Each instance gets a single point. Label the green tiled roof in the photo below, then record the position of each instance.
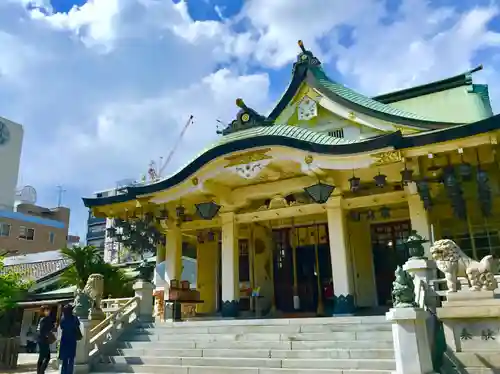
(357, 98)
(293, 132)
(483, 92)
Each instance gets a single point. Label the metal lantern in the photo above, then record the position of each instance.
(354, 184)
(370, 215)
(319, 192)
(180, 212)
(207, 210)
(163, 214)
(210, 236)
(465, 171)
(355, 216)
(406, 176)
(380, 180)
(385, 212)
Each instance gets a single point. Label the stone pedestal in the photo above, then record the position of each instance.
(471, 320)
(83, 347)
(144, 291)
(411, 343)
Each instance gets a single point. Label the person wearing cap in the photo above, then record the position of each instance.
(45, 338)
(71, 333)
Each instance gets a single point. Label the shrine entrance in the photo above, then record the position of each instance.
(302, 269)
(389, 251)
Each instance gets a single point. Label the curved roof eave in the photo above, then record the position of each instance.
(242, 144)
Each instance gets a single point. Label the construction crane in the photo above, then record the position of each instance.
(155, 171)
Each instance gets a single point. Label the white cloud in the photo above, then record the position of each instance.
(107, 86)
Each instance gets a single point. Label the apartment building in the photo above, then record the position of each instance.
(96, 232)
(31, 229)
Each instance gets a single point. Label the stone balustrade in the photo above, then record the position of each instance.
(99, 334)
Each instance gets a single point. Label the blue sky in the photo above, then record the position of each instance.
(101, 88)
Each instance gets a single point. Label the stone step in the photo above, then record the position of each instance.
(262, 353)
(124, 363)
(229, 329)
(270, 322)
(166, 369)
(282, 345)
(323, 336)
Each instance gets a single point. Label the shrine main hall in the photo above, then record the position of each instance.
(306, 210)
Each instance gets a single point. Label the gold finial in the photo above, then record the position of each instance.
(240, 103)
(301, 45)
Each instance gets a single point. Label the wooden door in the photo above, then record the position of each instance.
(389, 251)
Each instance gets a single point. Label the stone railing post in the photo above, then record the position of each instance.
(144, 291)
(83, 348)
(422, 270)
(411, 342)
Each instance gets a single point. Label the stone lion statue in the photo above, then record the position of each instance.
(88, 300)
(454, 263)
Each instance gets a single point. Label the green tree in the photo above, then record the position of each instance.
(140, 235)
(12, 287)
(87, 260)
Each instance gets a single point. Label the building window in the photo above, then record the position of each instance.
(4, 229)
(339, 133)
(26, 233)
(52, 237)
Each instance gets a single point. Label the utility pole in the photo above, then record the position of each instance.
(60, 193)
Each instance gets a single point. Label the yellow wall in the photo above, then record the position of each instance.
(207, 257)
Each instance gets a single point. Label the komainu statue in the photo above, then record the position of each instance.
(88, 300)
(454, 263)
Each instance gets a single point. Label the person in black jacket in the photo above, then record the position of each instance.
(45, 327)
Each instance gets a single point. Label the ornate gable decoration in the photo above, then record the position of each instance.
(305, 59)
(245, 119)
(307, 109)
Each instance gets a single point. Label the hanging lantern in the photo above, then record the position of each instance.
(200, 237)
(319, 192)
(148, 217)
(355, 216)
(207, 210)
(370, 215)
(465, 171)
(380, 180)
(406, 176)
(211, 236)
(180, 212)
(354, 184)
(385, 212)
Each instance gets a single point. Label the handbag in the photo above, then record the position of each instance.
(51, 338)
(78, 332)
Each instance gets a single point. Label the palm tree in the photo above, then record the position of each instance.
(88, 260)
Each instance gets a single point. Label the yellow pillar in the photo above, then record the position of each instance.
(419, 217)
(206, 275)
(340, 259)
(229, 261)
(173, 254)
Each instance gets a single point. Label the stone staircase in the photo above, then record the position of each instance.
(350, 345)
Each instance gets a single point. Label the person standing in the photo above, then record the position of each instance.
(71, 333)
(45, 339)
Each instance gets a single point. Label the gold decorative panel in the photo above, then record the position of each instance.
(385, 158)
(248, 157)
